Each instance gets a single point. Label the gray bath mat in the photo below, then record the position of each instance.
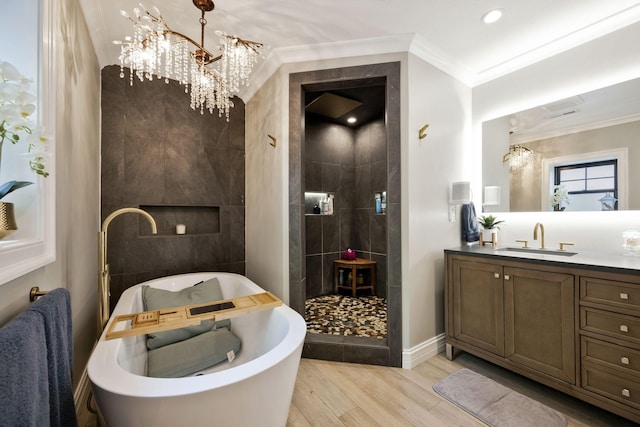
(495, 404)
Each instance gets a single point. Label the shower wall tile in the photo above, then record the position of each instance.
(347, 218)
(364, 193)
(314, 283)
(297, 295)
(330, 233)
(156, 151)
(327, 272)
(313, 176)
(330, 177)
(381, 274)
(313, 236)
(296, 242)
(362, 228)
(378, 177)
(346, 193)
(378, 233)
(378, 138)
(394, 244)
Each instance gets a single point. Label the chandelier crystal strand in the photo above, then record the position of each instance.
(156, 51)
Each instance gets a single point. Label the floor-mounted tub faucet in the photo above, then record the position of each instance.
(535, 234)
(104, 279)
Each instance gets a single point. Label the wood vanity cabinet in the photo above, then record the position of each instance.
(571, 327)
(523, 315)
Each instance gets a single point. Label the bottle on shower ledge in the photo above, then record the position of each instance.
(324, 206)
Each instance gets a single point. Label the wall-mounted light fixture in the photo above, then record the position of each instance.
(518, 157)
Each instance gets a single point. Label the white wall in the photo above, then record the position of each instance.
(77, 186)
(602, 62)
(429, 166)
(267, 186)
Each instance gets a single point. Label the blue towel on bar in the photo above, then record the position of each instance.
(55, 308)
(24, 385)
(469, 223)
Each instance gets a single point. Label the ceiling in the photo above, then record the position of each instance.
(608, 106)
(448, 33)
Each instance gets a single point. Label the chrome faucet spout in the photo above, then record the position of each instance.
(104, 278)
(535, 234)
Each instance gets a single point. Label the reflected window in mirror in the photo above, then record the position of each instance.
(585, 186)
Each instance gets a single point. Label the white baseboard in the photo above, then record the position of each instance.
(423, 351)
(81, 393)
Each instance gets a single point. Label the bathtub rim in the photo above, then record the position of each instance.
(125, 383)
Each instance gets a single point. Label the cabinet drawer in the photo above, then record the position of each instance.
(617, 294)
(611, 324)
(610, 354)
(610, 384)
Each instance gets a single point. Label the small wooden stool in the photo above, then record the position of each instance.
(354, 266)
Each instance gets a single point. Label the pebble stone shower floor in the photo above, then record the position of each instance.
(364, 316)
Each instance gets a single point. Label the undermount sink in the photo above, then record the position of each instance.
(539, 251)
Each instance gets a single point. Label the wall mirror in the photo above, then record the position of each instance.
(580, 153)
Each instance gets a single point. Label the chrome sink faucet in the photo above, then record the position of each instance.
(535, 234)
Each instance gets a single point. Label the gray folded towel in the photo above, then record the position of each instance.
(55, 308)
(469, 223)
(24, 384)
(36, 355)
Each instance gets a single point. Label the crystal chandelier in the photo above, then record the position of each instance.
(518, 157)
(155, 50)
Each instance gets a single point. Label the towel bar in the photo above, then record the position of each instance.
(35, 293)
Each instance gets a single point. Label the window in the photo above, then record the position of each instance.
(588, 186)
(27, 41)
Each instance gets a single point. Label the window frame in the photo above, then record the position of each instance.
(23, 256)
(619, 154)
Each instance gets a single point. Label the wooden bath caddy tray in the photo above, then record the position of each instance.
(178, 317)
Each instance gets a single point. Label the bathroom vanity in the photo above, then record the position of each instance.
(570, 320)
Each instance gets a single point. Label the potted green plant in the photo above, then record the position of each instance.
(489, 223)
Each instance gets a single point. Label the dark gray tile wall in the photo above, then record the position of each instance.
(158, 152)
(352, 165)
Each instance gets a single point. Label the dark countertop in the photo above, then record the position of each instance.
(617, 262)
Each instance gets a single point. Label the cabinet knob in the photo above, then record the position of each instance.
(626, 392)
(624, 296)
(624, 360)
(507, 277)
(496, 275)
(624, 328)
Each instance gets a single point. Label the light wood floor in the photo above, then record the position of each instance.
(346, 394)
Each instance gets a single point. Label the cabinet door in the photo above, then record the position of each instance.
(477, 305)
(540, 321)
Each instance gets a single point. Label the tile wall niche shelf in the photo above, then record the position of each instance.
(380, 202)
(198, 220)
(324, 201)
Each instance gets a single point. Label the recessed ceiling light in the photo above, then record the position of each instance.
(492, 16)
(352, 120)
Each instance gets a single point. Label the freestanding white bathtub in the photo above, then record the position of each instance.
(255, 389)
